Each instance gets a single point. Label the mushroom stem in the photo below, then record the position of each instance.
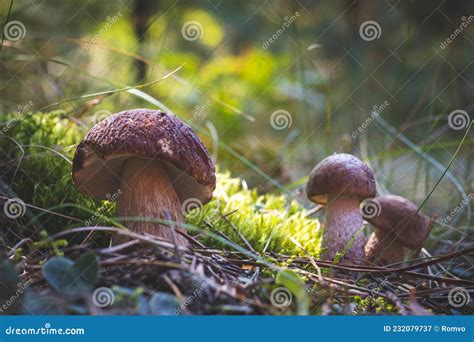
(384, 248)
(147, 192)
(343, 222)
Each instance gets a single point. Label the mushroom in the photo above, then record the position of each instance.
(399, 228)
(341, 182)
(151, 163)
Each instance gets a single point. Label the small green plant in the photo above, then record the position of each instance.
(55, 246)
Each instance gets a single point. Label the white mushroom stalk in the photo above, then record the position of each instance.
(341, 182)
(147, 193)
(343, 229)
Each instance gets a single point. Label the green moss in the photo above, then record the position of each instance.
(259, 218)
(37, 152)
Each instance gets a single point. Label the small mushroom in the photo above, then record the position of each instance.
(150, 162)
(341, 182)
(399, 229)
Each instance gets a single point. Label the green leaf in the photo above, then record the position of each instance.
(9, 277)
(72, 278)
(87, 267)
(296, 286)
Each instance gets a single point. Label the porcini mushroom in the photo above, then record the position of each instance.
(399, 228)
(152, 160)
(341, 182)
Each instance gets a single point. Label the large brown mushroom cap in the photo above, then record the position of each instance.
(399, 216)
(143, 133)
(340, 174)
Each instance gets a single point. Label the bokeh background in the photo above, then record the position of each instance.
(272, 87)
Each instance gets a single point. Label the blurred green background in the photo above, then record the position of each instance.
(272, 87)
